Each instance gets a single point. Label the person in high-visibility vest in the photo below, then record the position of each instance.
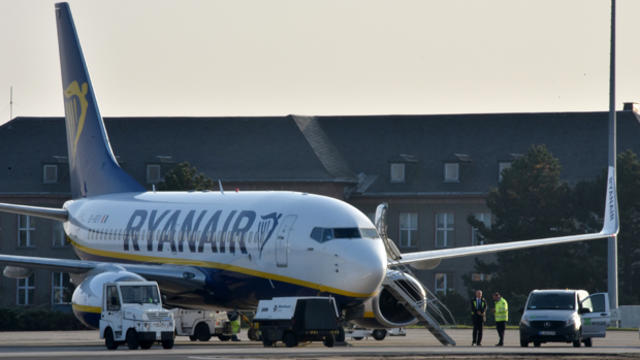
(234, 319)
(501, 314)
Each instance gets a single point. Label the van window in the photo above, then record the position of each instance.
(551, 301)
(598, 304)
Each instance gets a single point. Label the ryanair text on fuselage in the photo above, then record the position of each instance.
(192, 230)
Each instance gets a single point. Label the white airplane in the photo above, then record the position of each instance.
(220, 250)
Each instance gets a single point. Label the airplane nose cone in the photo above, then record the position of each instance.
(366, 265)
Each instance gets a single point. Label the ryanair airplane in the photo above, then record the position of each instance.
(222, 250)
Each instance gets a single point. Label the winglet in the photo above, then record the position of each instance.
(611, 225)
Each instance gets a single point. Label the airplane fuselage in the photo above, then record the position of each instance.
(249, 245)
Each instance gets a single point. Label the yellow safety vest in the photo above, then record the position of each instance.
(502, 310)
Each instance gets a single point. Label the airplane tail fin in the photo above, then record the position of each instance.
(92, 166)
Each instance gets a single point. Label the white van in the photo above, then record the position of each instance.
(571, 316)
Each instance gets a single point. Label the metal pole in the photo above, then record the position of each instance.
(612, 258)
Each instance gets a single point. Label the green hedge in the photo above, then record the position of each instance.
(37, 319)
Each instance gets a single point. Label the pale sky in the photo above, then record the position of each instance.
(321, 57)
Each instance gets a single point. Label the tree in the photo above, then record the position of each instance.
(531, 202)
(589, 200)
(185, 177)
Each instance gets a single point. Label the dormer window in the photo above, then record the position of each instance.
(502, 165)
(451, 172)
(153, 173)
(396, 172)
(49, 173)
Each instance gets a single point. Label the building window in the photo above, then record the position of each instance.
(25, 289)
(153, 174)
(25, 231)
(502, 165)
(49, 174)
(476, 236)
(441, 283)
(59, 238)
(451, 172)
(408, 229)
(397, 172)
(444, 230)
(60, 293)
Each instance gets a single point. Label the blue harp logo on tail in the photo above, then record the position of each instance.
(75, 108)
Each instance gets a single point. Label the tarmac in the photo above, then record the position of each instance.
(417, 344)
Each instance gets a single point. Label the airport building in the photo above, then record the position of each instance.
(433, 170)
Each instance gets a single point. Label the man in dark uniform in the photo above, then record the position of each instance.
(478, 313)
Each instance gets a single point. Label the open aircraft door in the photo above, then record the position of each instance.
(282, 240)
(595, 322)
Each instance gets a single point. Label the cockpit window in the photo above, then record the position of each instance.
(325, 234)
(369, 233)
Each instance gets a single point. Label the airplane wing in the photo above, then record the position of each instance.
(173, 276)
(610, 228)
(39, 211)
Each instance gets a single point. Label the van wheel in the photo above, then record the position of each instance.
(536, 343)
(224, 337)
(379, 334)
(328, 341)
(202, 332)
(108, 340)
(289, 339)
(587, 342)
(146, 344)
(524, 343)
(132, 339)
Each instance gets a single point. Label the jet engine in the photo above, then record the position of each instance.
(385, 310)
(86, 300)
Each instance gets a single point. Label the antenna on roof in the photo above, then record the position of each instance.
(220, 185)
(10, 102)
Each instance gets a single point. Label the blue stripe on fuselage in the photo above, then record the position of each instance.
(233, 290)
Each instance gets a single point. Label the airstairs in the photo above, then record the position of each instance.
(398, 284)
(404, 292)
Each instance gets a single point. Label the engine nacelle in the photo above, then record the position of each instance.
(384, 310)
(87, 297)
